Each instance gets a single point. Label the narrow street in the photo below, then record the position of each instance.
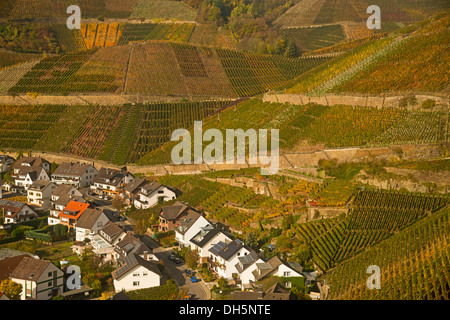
(198, 290)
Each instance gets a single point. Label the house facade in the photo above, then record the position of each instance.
(88, 225)
(40, 279)
(205, 239)
(26, 176)
(188, 227)
(169, 216)
(223, 257)
(149, 195)
(72, 213)
(40, 192)
(111, 181)
(136, 273)
(14, 211)
(77, 174)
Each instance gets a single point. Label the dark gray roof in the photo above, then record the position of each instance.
(246, 261)
(172, 212)
(130, 244)
(217, 248)
(135, 184)
(132, 261)
(226, 251)
(202, 238)
(110, 176)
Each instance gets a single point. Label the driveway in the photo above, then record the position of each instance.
(198, 290)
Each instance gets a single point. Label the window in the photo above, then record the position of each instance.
(49, 283)
(144, 273)
(287, 284)
(50, 274)
(136, 274)
(286, 274)
(135, 283)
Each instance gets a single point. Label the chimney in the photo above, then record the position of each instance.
(146, 255)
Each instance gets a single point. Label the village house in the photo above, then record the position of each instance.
(151, 193)
(132, 245)
(90, 222)
(40, 192)
(26, 176)
(104, 242)
(136, 273)
(78, 174)
(30, 162)
(169, 216)
(205, 239)
(59, 200)
(223, 257)
(71, 213)
(14, 211)
(188, 227)
(40, 279)
(131, 190)
(111, 181)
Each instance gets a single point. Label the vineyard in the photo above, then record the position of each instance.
(10, 76)
(413, 263)
(345, 126)
(315, 38)
(22, 126)
(96, 128)
(160, 68)
(310, 12)
(52, 75)
(421, 63)
(166, 10)
(374, 215)
(415, 128)
(214, 198)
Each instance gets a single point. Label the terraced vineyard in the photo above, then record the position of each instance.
(51, 75)
(374, 215)
(315, 38)
(413, 263)
(214, 197)
(10, 76)
(90, 138)
(166, 10)
(345, 126)
(415, 128)
(412, 60)
(22, 126)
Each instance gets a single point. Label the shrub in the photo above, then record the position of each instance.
(428, 104)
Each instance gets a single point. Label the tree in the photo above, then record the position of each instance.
(140, 228)
(191, 259)
(117, 203)
(11, 289)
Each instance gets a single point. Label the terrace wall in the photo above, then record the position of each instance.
(353, 100)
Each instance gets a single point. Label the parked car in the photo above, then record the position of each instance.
(171, 257)
(188, 296)
(177, 260)
(194, 279)
(100, 196)
(188, 272)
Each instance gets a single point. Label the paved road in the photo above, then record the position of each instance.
(197, 290)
